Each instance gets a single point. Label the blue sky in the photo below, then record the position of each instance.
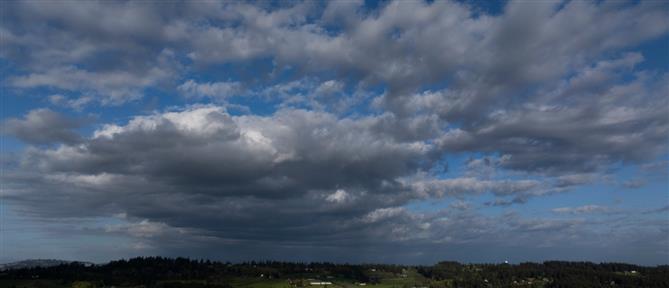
(357, 131)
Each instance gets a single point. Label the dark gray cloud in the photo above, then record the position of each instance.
(282, 168)
(43, 126)
(298, 177)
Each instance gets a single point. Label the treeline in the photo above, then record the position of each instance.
(549, 274)
(150, 270)
(159, 271)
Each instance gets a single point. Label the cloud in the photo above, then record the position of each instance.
(575, 180)
(656, 167)
(383, 214)
(489, 62)
(339, 196)
(295, 176)
(113, 87)
(389, 46)
(43, 126)
(634, 183)
(217, 90)
(141, 229)
(201, 168)
(581, 209)
(504, 202)
(623, 123)
(465, 186)
(76, 103)
(657, 210)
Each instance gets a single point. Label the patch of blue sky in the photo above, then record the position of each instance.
(493, 8)
(16, 103)
(655, 53)
(248, 71)
(10, 145)
(374, 5)
(454, 164)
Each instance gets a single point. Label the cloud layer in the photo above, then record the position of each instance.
(315, 127)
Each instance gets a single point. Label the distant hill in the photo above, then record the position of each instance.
(32, 263)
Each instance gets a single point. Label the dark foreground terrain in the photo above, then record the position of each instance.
(180, 272)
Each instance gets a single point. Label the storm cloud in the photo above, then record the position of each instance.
(43, 126)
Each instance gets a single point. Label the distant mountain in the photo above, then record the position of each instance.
(37, 263)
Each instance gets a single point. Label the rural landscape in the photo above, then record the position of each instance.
(186, 273)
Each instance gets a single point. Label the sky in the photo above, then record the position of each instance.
(345, 131)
